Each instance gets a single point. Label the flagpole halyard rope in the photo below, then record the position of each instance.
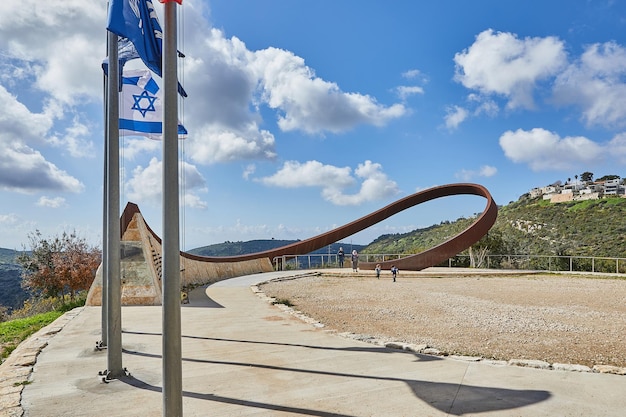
(181, 41)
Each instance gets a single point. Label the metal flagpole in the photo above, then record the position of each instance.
(114, 309)
(172, 356)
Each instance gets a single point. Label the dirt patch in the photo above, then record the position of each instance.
(274, 318)
(557, 319)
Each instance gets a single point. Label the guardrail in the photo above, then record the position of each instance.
(314, 261)
(548, 263)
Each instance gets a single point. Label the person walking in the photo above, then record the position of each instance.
(340, 256)
(377, 269)
(394, 272)
(355, 261)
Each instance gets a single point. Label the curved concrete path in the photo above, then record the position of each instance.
(244, 357)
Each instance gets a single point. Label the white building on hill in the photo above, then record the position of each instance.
(580, 190)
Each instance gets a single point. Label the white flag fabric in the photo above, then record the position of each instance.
(141, 108)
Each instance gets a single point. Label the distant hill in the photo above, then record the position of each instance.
(7, 256)
(12, 295)
(253, 246)
(532, 226)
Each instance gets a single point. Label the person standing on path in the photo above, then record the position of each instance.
(377, 271)
(355, 261)
(340, 256)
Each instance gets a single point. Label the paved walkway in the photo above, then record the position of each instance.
(244, 357)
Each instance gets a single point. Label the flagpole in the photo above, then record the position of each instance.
(114, 309)
(172, 356)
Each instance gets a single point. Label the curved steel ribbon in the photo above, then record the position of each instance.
(430, 257)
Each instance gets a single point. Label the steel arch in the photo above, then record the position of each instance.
(416, 262)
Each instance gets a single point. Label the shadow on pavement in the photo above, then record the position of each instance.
(236, 401)
(198, 298)
(472, 399)
(451, 398)
(374, 349)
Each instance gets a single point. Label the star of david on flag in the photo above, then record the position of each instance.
(141, 108)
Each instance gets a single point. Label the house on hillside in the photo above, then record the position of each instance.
(613, 187)
(580, 190)
(592, 187)
(573, 187)
(590, 192)
(535, 192)
(546, 191)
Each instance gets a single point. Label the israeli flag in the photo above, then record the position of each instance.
(141, 108)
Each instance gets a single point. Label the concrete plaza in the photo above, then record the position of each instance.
(243, 356)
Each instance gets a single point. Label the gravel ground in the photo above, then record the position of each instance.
(557, 319)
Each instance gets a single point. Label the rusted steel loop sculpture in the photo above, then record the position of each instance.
(416, 262)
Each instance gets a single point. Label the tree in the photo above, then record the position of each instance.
(608, 177)
(492, 242)
(586, 176)
(37, 266)
(76, 264)
(62, 265)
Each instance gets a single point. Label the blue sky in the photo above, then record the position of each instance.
(304, 116)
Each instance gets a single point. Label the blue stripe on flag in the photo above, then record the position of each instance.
(154, 128)
(141, 127)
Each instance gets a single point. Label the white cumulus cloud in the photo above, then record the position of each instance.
(405, 91)
(43, 51)
(25, 170)
(500, 63)
(55, 37)
(595, 83)
(134, 147)
(542, 150)
(617, 147)
(374, 183)
(145, 185)
(208, 145)
(248, 170)
(308, 103)
(455, 115)
(484, 171)
(8, 219)
(52, 202)
(294, 174)
(412, 73)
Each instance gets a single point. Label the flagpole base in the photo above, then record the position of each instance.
(107, 376)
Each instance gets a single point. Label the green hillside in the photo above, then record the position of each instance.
(532, 226)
